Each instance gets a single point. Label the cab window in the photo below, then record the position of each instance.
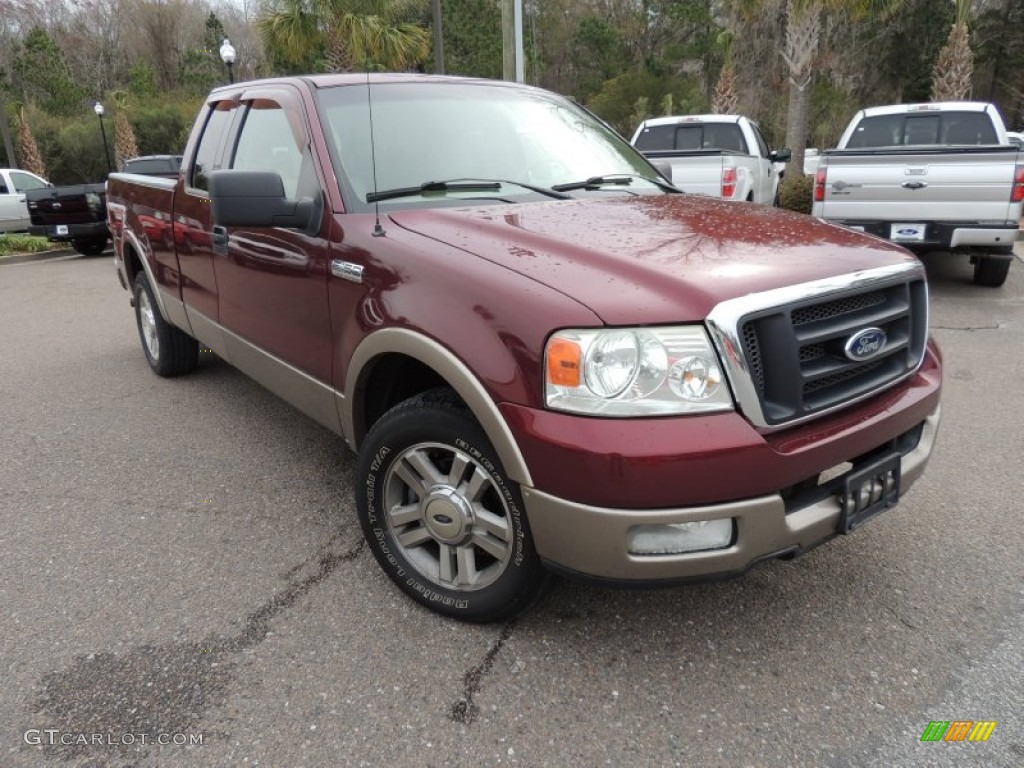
(268, 142)
(209, 145)
(25, 181)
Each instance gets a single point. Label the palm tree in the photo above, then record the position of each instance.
(951, 78)
(803, 36)
(725, 99)
(349, 34)
(125, 146)
(31, 159)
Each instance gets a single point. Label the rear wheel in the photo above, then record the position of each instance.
(440, 515)
(90, 246)
(991, 271)
(169, 351)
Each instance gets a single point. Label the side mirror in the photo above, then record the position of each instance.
(664, 167)
(256, 199)
(780, 155)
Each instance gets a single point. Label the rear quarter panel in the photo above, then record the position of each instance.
(140, 216)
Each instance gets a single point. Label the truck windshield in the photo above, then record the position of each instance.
(426, 132)
(937, 128)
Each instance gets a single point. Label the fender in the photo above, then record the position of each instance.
(453, 371)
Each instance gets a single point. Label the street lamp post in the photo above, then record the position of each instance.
(98, 109)
(227, 55)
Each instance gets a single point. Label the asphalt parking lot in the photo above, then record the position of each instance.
(180, 561)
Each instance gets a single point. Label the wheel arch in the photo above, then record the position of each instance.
(394, 364)
(134, 261)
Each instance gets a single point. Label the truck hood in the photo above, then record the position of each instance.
(654, 258)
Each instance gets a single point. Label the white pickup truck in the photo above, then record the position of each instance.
(721, 156)
(939, 176)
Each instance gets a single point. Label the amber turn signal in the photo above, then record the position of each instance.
(563, 363)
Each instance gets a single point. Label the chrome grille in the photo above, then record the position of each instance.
(785, 349)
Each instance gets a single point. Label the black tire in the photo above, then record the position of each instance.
(169, 351)
(90, 246)
(437, 509)
(991, 272)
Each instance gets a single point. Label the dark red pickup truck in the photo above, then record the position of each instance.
(547, 358)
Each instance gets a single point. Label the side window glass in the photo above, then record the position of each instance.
(762, 145)
(23, 181)
(267, 143)
(209, 143)
(3, 187)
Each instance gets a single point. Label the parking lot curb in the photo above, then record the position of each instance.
(24, 258)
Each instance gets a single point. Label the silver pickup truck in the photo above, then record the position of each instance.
(939, 176)
(723, 156)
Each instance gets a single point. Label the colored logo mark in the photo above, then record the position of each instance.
(958, 730)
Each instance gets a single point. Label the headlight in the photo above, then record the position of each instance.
(634, 372)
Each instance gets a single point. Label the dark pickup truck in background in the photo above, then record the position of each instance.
(77, 213)
(547, 358)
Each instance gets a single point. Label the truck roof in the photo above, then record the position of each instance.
(361, 78)
(937, 106)
(675, 119)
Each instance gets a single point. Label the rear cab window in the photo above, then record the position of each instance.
(964, 128)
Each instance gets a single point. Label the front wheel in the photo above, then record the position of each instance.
(90, 246)
(440, 515)
(169, 351)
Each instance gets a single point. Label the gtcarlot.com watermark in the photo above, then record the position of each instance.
(53, 737)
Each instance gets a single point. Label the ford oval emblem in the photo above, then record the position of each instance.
(906, 232)
(865, 344)
(442, 519)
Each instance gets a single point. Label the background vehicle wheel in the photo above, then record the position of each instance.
(90, 246)
(991, 272)
(169, 351)
(440, 515)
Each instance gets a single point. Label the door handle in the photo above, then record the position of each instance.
(220, 239)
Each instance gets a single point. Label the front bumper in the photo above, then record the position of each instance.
(65, 232)
(591, 542)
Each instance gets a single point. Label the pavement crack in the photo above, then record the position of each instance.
(968, 328)
(257, 624)
(152, 690)
(465, 709)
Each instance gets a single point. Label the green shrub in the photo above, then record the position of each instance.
(11, 244)
(795, 193)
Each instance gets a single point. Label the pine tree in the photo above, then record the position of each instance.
(28, 152)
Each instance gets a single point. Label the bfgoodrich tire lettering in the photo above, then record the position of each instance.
(440, 515)
(169, 351)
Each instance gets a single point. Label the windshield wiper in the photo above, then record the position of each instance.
(433, 186)
(457, 185)
(595, 182)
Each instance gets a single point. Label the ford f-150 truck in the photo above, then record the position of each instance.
(721, 156)
(546, 357)
(939, 176)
